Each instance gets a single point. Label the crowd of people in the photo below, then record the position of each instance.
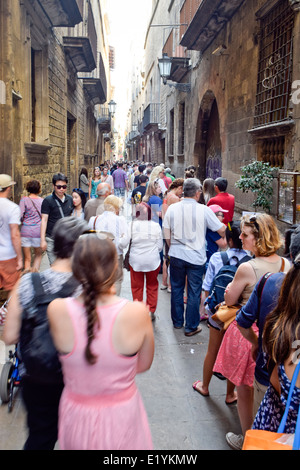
(181, 228)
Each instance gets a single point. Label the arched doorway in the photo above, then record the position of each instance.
(208, 149)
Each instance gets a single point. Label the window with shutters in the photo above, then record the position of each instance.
(171, 133)
(181, 128)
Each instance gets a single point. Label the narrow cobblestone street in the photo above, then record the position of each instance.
(180, 418)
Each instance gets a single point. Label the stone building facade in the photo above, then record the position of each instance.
(233, 91)
(54, 86)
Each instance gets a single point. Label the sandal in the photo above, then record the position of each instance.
(197, 390)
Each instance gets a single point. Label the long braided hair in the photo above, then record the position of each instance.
(95, 265)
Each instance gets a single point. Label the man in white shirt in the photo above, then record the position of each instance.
(11, 260)
(185, 225)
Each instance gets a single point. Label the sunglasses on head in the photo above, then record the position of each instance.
(252, 220)
(61, 186)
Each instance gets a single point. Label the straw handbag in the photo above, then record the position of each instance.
(256, 439)
(225, 315)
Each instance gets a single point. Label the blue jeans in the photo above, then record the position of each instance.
(180, 271)
(119, 192)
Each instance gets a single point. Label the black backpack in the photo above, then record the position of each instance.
(222, 279)
(36, 349)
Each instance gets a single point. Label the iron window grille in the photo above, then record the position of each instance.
(275, 66)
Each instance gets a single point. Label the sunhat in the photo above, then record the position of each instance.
(6, 181)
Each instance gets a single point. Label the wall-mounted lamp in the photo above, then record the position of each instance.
(220, 50)
(165, 65)
(112, 107)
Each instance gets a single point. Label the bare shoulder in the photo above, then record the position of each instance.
(57, 303)
(134, 312)
(56, 308)
(245, 269)
(132, 326)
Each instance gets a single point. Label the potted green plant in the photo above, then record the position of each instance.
(257, 177)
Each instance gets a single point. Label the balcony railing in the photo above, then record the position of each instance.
(151, 116)
(80, 44)
(104, 120)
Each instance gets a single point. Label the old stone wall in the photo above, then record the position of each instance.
(65, 137)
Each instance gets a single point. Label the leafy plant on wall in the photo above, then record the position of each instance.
(257, 177)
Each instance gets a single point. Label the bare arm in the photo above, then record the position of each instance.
(167, 236)
(222, 231)
(244, 276)
(222, 243)
(13, 319)
(16, 242)
(44, 222)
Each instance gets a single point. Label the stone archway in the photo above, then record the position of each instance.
(208, 149)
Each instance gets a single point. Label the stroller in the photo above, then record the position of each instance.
(10, 376)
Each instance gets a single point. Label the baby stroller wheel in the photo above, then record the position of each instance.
(5, 381)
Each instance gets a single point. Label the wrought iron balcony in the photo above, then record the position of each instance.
(95, 83)
(80, 44)
(151, 116)
(104, 120)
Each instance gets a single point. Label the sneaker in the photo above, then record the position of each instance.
(235, 441)
(163, 287)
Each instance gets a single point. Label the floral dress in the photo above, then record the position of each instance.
(272, 407)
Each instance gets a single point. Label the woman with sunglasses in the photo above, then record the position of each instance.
(79, 201)
(260, 236)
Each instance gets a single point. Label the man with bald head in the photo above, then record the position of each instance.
(96, 206)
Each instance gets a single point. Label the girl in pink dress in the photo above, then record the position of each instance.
(104, 341)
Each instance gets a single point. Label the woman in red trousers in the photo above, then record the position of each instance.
(144, 258)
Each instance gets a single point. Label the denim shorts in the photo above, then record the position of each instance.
(28, 242)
